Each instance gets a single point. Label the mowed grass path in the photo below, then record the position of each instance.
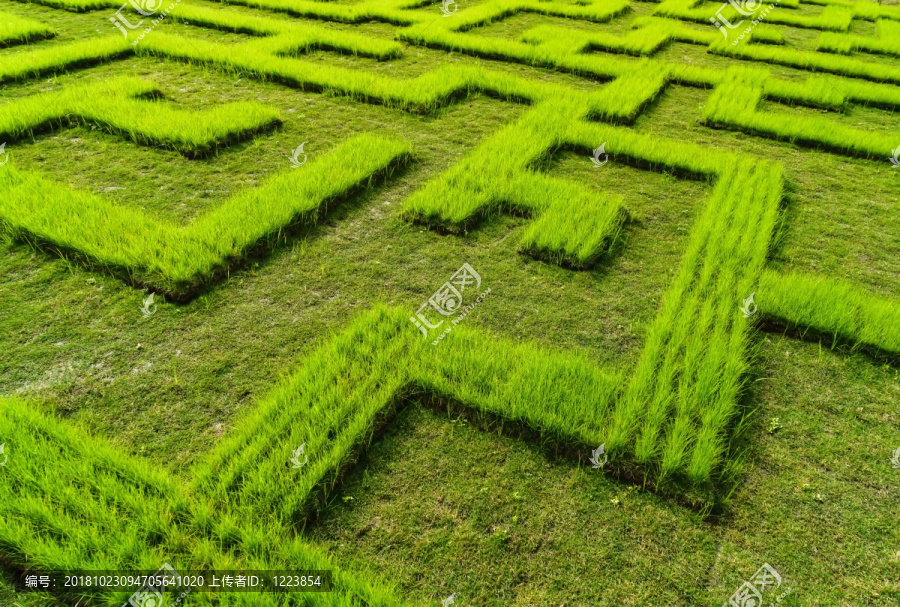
(168, 387)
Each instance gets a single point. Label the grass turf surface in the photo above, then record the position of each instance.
(168, 387)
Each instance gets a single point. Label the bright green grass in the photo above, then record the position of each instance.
(16, 30)
(31, 63)
(834, 308)
(696, 337)
(178, 260)
(888, 41)
(79, 6)
(549, 531)
(73, 342)
(116, 105)
(734, 103)
(95, 509)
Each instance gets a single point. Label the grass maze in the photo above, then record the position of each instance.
(674, 419)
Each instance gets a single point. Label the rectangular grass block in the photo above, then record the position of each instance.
(831, 307)
(17, 30)
(575, 227)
